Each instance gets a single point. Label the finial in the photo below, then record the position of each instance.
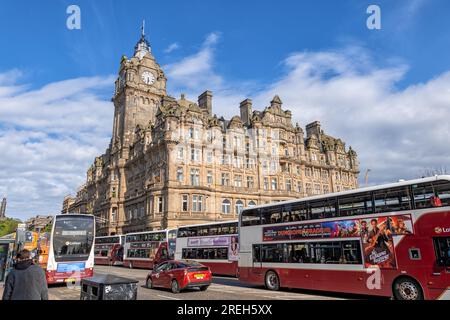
(143, 28)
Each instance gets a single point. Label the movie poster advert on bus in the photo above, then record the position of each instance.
(377, 239)
(330, 229)
(234, 249)
(208, 241)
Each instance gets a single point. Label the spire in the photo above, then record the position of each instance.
(143, 46)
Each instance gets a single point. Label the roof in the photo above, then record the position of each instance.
(208, 224)
(360, 190)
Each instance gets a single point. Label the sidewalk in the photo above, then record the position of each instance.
(50, 296)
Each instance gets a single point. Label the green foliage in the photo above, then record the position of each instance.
(48, 228)
(8, 226)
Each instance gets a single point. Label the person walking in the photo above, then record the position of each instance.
(26, 281)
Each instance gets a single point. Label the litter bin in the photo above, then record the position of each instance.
(108, 287)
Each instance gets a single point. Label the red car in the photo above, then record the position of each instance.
(179, 275)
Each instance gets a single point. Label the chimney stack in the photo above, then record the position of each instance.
(205, 101)
(246, 111)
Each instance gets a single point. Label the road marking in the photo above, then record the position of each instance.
(167, 297)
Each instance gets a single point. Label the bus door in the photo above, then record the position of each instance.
(162, 254)
(440, 277)
(256, 257)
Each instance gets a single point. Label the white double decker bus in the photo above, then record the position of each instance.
(214, 245)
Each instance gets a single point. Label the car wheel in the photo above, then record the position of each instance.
(204, 288)
(175, 286)
(407, 289)
(272, 281)
(149, 283)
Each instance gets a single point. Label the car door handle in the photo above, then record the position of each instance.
(436, 273)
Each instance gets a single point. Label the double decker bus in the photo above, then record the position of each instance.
(389, 240)
(108, 250)
(67, 253)
(214, 245)
(147, 249)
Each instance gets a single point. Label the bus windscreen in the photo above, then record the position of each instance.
(73, 238)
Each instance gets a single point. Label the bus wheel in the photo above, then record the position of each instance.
(149, 283)
(272, 281)
(175, 287)
(407, 289)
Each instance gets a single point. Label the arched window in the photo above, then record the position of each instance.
(239, 206)
(226, 206)
(252, 203)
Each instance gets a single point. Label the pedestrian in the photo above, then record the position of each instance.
(26, 281)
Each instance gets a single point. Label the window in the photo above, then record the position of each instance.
(250, 182)
(239, 206)
(195, 177)
(180, 153)
(288, 185)
(205, 253)
(114, 215)
(334, 252)
(225, 179)
(197, 202)
(180, 176)
(251, 204)
(394, 199)
(299, 187)
(273, 166)
(195, 154)
(250, 217)
(209, 177)
(270, 215)
(442, 250)
(266, 183)
(357, 204)
(238, 181)
(209, 156)
(184, 202)
(160, 204)
(317, 189)
(325, 208)
(299, 170)
(226, 206)
(274, 183)
(426, 193)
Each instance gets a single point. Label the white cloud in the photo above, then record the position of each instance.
(398, 133)
(48, 137)
(172, 47)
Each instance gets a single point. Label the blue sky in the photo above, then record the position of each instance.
(384, 91)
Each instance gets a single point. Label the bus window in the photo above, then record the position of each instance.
(442, 190)
(286, 214)
(271, 215)
(299, 212)
(442, 249)
(394, 199)
(356, 205)
(323, 209)
(250, 217)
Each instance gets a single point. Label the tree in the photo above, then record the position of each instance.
(8, 226)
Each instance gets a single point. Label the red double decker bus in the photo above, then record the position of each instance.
(147, 249)
(108, 250)
(389, 240)
(215, 245)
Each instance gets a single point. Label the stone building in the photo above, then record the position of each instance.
(173, 162)
(3, 209)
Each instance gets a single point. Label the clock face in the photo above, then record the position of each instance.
(148, 77)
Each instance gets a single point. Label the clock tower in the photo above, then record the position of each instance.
(138, 91)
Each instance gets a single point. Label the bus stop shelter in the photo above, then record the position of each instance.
(6, 251)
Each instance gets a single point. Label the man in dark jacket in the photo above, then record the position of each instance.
(26, 281)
